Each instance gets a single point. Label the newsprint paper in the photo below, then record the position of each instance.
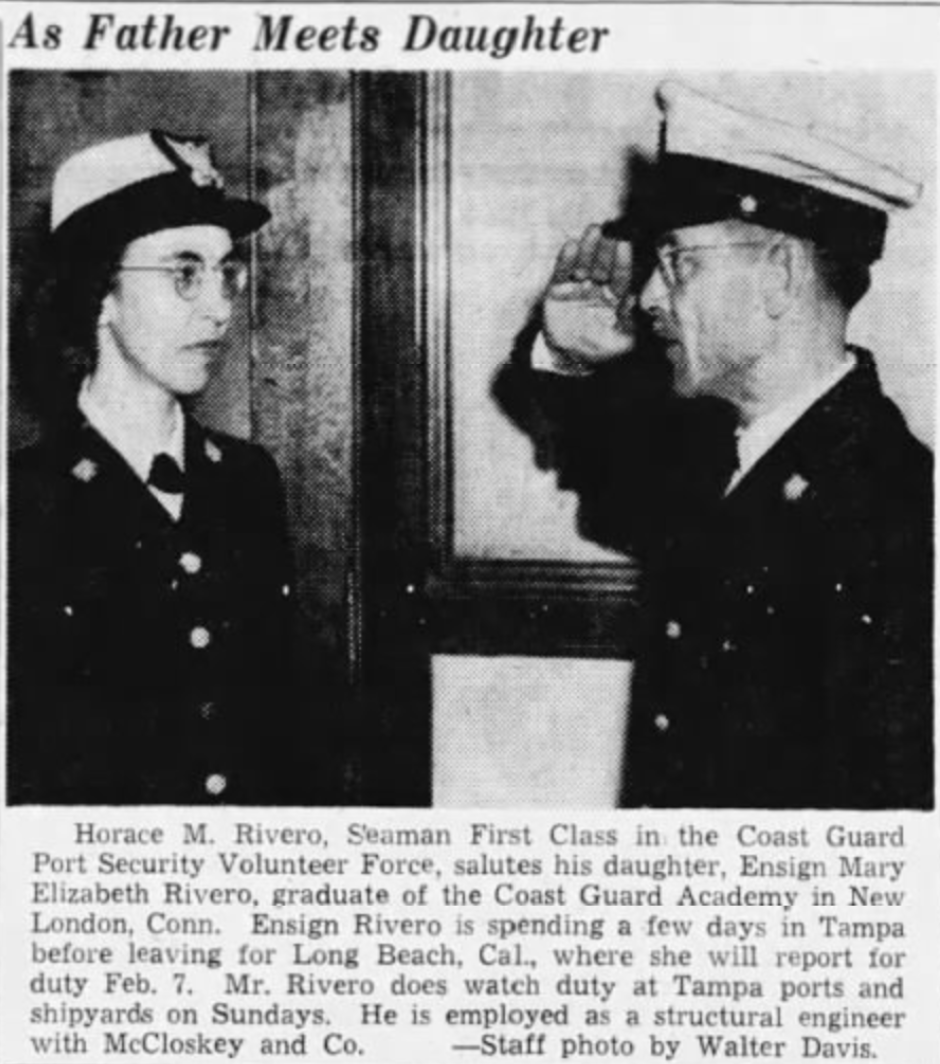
(468, 541)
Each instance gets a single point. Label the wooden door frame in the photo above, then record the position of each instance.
(419, 597)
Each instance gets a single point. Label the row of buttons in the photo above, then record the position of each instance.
(199, 638)
(661, 721)
(674, 631)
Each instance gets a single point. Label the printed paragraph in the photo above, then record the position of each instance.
(452, 938)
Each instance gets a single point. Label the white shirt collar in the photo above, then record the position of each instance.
(757, 438)
(117, 425)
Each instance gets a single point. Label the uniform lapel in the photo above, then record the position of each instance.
(106, 486)
(818, 447)
(203, 501)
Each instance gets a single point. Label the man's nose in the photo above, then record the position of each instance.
(655, 294)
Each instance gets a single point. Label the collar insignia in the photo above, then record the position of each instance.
(212, 452)
(85, 470)
(795, 488)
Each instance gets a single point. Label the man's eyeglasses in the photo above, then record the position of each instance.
(676, 269)
(189, 278)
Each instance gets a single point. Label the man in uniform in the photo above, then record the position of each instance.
(150, 574)
(779, 506)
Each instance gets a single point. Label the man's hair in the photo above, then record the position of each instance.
(845, 279)
(840, 276)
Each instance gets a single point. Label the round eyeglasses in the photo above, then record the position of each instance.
(674, 266)
(189, 278)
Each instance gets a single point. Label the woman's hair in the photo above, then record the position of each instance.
(54, 339)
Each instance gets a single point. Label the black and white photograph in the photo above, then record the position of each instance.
(471, 439)
(468, 532)
(159, 652)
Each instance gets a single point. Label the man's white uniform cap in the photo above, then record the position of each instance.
(113, 192)
(718, 162)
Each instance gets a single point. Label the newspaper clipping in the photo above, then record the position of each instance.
(468, 563)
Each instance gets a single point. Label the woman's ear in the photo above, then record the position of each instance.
(106, 313)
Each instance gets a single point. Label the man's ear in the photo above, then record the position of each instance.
(784, 275)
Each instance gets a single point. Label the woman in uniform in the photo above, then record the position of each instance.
(150, 583)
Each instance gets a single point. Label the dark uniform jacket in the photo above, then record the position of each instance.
(149, 660)
(784, 654)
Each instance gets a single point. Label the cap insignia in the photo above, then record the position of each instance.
(748, 205)
(194, 156)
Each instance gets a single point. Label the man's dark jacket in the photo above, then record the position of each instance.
(149, 660)
(784, 654)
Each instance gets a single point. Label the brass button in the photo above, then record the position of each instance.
(662, 722)
(190, 563)
(216, 784)
(673, 629)
(200, 638)
(208, 710)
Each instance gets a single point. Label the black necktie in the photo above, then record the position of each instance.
(166, 475)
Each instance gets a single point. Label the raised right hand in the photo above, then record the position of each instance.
(587, 308)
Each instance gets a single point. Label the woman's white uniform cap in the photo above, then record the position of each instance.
(111, 193)
(103, 169)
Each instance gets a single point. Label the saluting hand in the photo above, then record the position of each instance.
(586, 314)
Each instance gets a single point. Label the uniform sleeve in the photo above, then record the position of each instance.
(639, 459)
(879, 616)
(278, 702)
(45, 707)
(301, 722)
